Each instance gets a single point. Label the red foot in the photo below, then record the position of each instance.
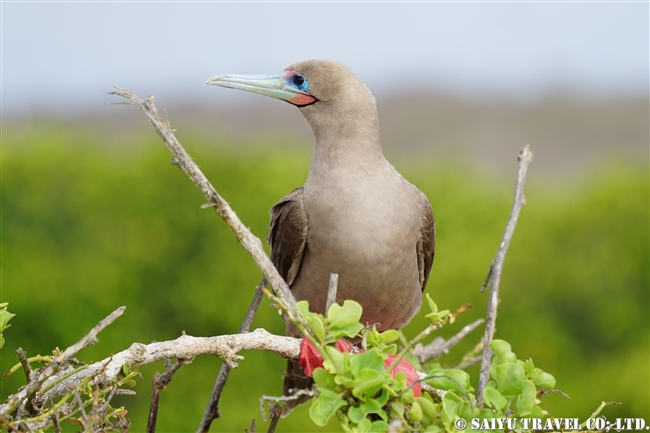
(309, 360)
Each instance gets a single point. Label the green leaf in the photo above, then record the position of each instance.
(364, 425)
(510, 379)
(493, 398)
(542, 379)
(324, 379)
(451, 380)
(5, 317)
(452, 406)
(399, 383)
(396, 409)
(415, 413)
(371, 359)
(333, 361)
(529, 367)
(382, 398)
(368, 384)
(303, 309)
(337, 332)
(432, 305)
(347, 314)
(503, 350)
(318, 326)
(378, 427)
(356, 414)
(429, 410)
(324, 406)
(372, 337)
(388, 336)
(526, 399)
(537, 412)
(315, 320)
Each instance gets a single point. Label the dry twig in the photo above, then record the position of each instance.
(212, 410)
(332, 288)
(160, 382)
(439, 346)
(494, 274)
(102, 373)
(182, 160)
(226, 347)
(47, 373)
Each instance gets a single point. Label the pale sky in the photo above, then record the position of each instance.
(65, 56)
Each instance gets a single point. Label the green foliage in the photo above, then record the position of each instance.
(356, 386)
(513, 392)
(341, 321)
(435, 316)
(5, 317)
(89, 403)
(360, 391)
(91, 221)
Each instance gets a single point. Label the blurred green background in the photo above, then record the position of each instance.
(94, 217)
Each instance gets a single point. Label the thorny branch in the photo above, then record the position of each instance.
(494, 275)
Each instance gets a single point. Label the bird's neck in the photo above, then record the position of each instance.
(345, 146)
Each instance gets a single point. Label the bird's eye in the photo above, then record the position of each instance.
(298, 80)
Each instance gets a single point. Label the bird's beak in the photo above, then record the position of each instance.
(273, 85)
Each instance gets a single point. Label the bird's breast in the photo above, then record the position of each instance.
(367, 233)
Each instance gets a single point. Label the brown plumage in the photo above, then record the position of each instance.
(355, 215)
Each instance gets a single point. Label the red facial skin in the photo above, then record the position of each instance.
(300, 100)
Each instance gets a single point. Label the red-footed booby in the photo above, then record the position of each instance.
(355, 215)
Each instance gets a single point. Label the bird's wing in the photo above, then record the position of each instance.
(426, 243)
(288, 235)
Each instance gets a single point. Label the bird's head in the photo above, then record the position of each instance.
(326, 92)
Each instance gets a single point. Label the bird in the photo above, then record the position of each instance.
(355, 215)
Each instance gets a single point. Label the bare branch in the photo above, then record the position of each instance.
(8, 425)
(276, 412)
(331, 291)
(212, 410)
(428, 388)
(90, 338)
(439, 346)
(15, 400)
(24, 362)
(464, 365)
(182, 160)
(494, 275)
(160, 382)
(226, 347)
